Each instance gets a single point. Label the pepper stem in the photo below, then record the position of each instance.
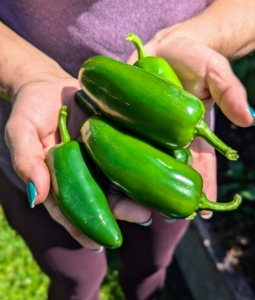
(203, 130)
(65, 136)
(216, 206)
(133, 38)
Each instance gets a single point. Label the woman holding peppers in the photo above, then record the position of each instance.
(42, 49)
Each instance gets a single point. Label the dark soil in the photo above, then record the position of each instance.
(235, 231)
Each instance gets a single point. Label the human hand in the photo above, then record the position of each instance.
(206, 74)
(33, 129)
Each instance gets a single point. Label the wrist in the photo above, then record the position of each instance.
(21, 63)
(226, 26)
(33, 72)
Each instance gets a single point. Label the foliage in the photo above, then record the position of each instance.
(20, 276)
(239, 176)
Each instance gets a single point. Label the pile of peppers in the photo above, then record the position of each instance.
(138, 136)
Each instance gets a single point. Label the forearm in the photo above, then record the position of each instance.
(20, 62)
(226, 26)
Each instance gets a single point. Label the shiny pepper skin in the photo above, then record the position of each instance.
(147, 105)
(153, 64)
(160, 67)
(77, 191)
(83, 101)
(147, 174)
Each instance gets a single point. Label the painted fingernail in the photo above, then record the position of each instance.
(147, 223)
(208, 216)
(169, 220)
(98, 250)
(252, 111)
(31, 194)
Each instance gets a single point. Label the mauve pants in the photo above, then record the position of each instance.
(76, 273)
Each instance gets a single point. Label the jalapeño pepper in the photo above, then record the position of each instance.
(154, 64)
(147, 174)
(77, 191)
(147, 105)
(182, 155)
(158, 66)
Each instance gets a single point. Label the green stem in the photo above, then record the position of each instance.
(216, 206)
(133, 38)
(203, 130)
(65, 136)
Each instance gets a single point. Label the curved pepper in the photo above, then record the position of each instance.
(75, 188)
(147, 105)
(147, 174)
(154, 64)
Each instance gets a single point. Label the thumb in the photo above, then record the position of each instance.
(28, 157)
(228, 92)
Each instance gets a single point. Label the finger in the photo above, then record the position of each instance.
(57, 215)
(123, 208)
(28, 156)
(204, 161)
(227, 91)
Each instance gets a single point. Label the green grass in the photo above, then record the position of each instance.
(21, 278)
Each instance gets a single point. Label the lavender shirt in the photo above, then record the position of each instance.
(72, 31)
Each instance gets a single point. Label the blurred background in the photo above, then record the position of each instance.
(232, 232)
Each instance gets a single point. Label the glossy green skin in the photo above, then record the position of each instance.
(159, 67)
(153, 108)
(183, 155)
(153, 64)
(78, 195)
(145, 173)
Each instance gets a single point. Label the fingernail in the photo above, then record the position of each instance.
(208, 216)
(98, 250)
(31, 194)
(147, 223)
(252, 111)
(169, 220)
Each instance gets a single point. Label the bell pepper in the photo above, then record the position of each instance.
(78, 191)
(147, 174)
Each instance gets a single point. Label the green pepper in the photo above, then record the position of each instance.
(147, 174)
(160, 67)
(153, 64)
(77, 189)
(83, 101)
(147, 105)
(183, 155)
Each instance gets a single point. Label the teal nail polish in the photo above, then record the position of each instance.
(31, 194)
(252, 111)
